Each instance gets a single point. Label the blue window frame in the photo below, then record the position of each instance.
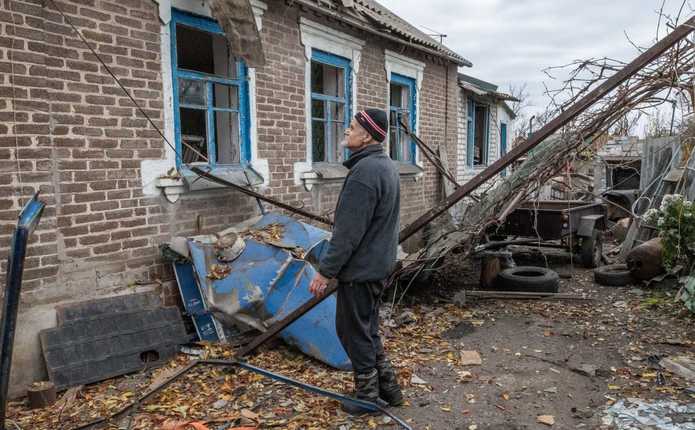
(211, 104)
(478, 133)
(503, 143)
(331, 95)
(402, 107)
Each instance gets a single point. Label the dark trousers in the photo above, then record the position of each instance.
(357, 323)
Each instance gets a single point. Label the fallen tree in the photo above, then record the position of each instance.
(596, 96)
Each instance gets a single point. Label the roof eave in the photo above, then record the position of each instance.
(456, 59)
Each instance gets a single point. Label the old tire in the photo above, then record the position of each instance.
(613, 275)
(591, 250)
(528, 278)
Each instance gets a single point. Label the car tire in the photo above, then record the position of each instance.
(613, 275)
(528, 278)
(591, 250)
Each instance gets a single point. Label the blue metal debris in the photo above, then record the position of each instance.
(194, 305)
(29, 218)
(268, 281)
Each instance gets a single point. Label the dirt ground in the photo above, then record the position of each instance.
(566, 359)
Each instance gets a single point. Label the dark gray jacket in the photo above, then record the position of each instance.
(365, 234)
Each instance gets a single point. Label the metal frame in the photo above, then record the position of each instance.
(337, 61)
(241, 82)
(411, 84)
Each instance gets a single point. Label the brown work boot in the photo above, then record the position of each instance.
(367, 389)
(389, 390)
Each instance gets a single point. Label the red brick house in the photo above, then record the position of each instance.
(68, 130)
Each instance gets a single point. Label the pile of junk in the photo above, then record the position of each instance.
(252, 275)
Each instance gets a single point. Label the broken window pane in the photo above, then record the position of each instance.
(404, 139)
(479, 140)
(400, 102)
(318, 140)
(327, 80)
(393, 132)
(337, 111)
(204, 52)
(192, 92)
(193, 135)
(338, 132)
(225, 96)
(227, 137)
(318, 109)
(398, 95)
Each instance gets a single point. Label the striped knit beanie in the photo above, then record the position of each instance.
(375, 122)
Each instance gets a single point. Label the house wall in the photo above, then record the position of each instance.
(67, 130)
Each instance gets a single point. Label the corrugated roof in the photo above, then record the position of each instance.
(379, 18)
(480, 87)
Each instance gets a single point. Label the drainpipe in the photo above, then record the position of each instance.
(530, 124)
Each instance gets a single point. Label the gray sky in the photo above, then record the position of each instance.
(511, 41)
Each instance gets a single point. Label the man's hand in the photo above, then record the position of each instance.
(318, 285)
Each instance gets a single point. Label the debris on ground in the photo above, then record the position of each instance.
(682, 366)
(632, 414)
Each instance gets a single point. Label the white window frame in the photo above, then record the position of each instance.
(410, 68)
(152, 169)
(317, 36)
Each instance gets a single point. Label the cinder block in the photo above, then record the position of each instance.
(107, 345)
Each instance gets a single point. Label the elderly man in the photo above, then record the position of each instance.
(362, 254)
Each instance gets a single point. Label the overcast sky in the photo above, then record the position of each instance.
(511, 41)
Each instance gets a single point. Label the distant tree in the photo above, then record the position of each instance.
(519, 107)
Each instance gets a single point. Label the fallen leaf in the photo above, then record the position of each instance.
(249, 414)
(548, 420)
(470, 358)
(416, 380)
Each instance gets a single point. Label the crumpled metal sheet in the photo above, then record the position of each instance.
(239, 24)
(636, 414)
(267, 281)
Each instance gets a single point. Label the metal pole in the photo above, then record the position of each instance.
(15, 265)
(28, 219)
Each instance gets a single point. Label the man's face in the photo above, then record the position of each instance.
(356, 137)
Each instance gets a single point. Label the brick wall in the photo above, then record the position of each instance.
(67, 130)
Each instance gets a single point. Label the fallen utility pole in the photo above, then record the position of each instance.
(212, 178)
(572, 112)
(551, 127)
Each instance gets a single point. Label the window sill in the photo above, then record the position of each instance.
(185, 180)
(329, 173)
(409, 170)
(323, 174)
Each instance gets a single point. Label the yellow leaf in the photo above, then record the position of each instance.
(446, 408)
